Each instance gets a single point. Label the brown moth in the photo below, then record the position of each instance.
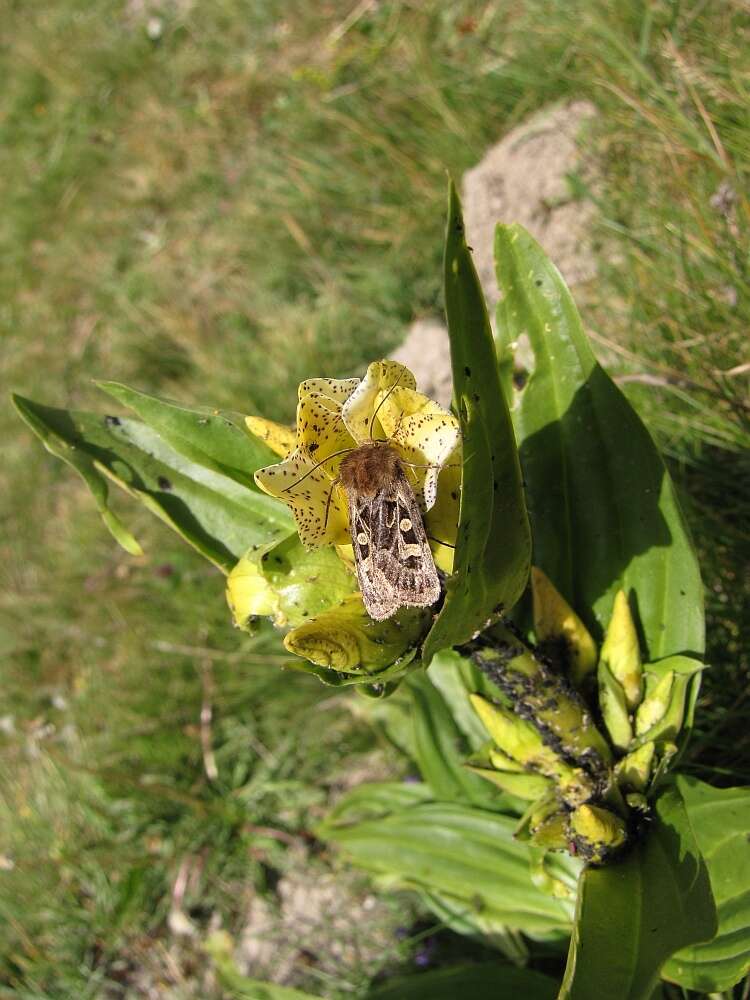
(394, 563)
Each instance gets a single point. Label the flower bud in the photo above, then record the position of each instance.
(489, 756)
(344, 638)
(523, 742)
(250, 596)
(621, 652)
(637, 801)
(634, 771)
(555, 619)
(502, 762)
(287, 583)
(552, 833)
(614, 708)
(543, 697)
(524, 786)
(597, 832)
(655, 704)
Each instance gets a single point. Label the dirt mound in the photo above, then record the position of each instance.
(523, 178)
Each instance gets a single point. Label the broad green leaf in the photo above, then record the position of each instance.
(633, 914)
(216, 439)
(493, 544)
(452, 913)
(720, 818)
(392, 716)
(603, 509)
(46, 424)
(377, 798)
(488, 981)
(214, 513)
(465, 854)
(439, 754)
(379, 684)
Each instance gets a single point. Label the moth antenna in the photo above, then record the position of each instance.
(411, 469)
(430, 465)
(372, 418)
(334, 484)
(441, 542)
(309, 472)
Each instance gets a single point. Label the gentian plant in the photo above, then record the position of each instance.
(513, 586)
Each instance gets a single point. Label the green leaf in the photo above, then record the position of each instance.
(391, 717)
(438, 747)
(720, 818)
(633, 914)
(380, 684)
(487, 981)
(456, 677)
(679, 711)
(603, 509)
(215, 439)
(465, 854)
(45, 424)
(375, 799)
(452, 914)
(493, 543)
(215, 514)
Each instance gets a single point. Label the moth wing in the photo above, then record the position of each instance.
(418, 581)
(378, 595)
(395, 567)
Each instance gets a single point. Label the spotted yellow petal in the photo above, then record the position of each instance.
(322, 433)
(336, 389)
(423, 433)
(279, 438)
(441, 522)
(336, 415)
(360, 408)
(318, 505)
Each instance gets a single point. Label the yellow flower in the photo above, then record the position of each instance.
(335, 416)
(279, 438)
(344, 638)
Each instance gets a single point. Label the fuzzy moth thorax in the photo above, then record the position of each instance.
(367, 469)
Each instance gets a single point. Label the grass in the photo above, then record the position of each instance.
(252, 197)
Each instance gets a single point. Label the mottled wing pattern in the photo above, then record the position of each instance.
(394, 563)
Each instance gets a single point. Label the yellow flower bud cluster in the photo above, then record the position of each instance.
(588, 791)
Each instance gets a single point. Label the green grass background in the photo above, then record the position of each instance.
(253, 197)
